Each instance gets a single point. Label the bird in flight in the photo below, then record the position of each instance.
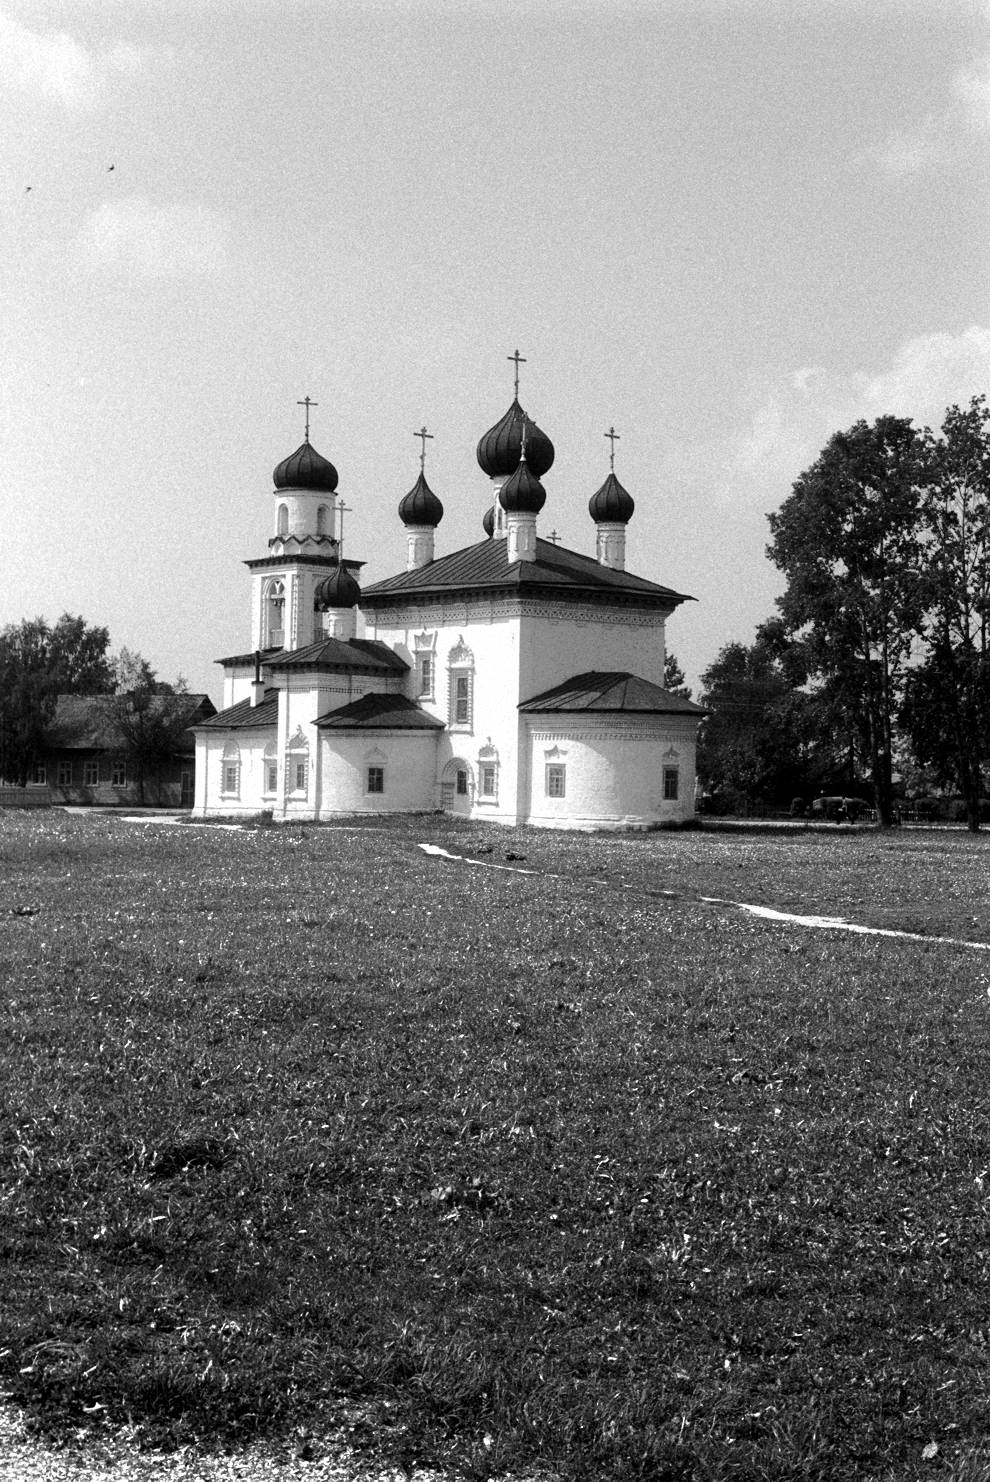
(111, 167)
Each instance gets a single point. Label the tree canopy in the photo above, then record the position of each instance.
(37, 664)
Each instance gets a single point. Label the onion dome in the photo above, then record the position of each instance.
(339, 589)
(306, 469)
(522, 492)
(611, 503)
(489, 521)
(421, 506)
(499, 450)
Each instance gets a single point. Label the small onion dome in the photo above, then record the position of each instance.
(611, 503)
(421, 506)
(306, 469)
(522, 492)
(499, 449)
(339, 589)
(489, 521)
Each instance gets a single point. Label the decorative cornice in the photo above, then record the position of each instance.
(272, 563)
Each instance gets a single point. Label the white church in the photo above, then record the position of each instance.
(513, 680)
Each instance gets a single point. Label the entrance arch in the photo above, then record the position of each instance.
(457, 786)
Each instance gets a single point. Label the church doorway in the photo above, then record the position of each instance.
(456, 787)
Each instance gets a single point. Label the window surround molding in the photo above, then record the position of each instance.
(555, 773)
(297, 764)
(671, 775)
(373, 762)
(460, 687)
(230, 771)
(488, 774)
(425, 658)
(269, 769)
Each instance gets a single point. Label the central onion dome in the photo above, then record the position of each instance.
(306, 469)
(500, 448)
(611, 503)
(522, 492)
(421, 506)
(339, 589)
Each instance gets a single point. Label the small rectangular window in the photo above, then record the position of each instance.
(461, 782)
(462, 699)
(118, 775)
(40, 776)
(65, 774)
(487, 784)
(231, 772)
(271, 777)
(91, 773)
(671, 778)
(556, 779)
(299, 777)
(376, 779)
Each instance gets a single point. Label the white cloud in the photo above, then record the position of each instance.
(55, 67)
(936, 138)
(134, 237)
(794, 420)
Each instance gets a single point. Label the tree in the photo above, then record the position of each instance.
(946, 707)
(37, 664)
(150, 716)
(758, 741)
(849, 544)
(673, 677)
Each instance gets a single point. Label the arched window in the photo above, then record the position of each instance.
(273, 629)
(460, 691)
(297, 764)
(270, 768)
(322, 520)
(283, 520)
(230, 771)
(488, 773)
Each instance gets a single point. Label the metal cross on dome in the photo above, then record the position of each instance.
(520, 360)
(613, 438)
(423, 434)
(342, 510)
(307, 402)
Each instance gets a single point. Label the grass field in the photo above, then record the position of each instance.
(306, 1129)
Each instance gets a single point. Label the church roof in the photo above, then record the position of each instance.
(366, 655)
(486, 566)
(611, 693)
(244, 716)
(380, 712)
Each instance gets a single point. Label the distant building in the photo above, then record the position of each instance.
(84, 759)
(513, 680)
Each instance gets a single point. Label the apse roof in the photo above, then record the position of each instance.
(486, 565)
(611, 692)
(366, 654)
(380, 712)
(244, 716)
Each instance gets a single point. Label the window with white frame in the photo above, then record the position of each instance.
(230, 770)
(91, 773)
(269, 768)
(118, 774)
(556, 779)
(297, 763)
(488, 774)
(671, 784)
(273, 616)
(65, 773)
(376, 779)
(425, 659)
(40, 774)
(461, 688)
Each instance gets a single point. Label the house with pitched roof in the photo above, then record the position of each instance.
(513, 680)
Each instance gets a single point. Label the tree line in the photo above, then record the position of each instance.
(39, 662)
(876, 664)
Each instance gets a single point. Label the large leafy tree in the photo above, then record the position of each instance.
(37, 664)
(150, 717)
(946, 709)
(848, 542)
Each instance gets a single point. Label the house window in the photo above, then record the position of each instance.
(671, 780)
(118, 774)
(376, 779)
(91, 773)
(230, 771)
(556, 778)
(424, 666)
(40, 775)
(65, 774)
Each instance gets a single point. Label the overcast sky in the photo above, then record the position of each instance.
(726, 228)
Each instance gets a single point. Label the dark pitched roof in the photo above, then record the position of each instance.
(380, 712)
(266, 654)
(611, 693)
(365, 655)
(486, 566)
(86, 722)
(244, 716)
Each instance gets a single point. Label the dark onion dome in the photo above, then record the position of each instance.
(339, 589)
(611, 502)
(421, 506)
(499, 449)
(306, 469)
(489, 521)
(522, 492)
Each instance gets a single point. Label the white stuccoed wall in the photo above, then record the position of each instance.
(409, 761)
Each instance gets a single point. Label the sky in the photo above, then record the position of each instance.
(726, 228)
